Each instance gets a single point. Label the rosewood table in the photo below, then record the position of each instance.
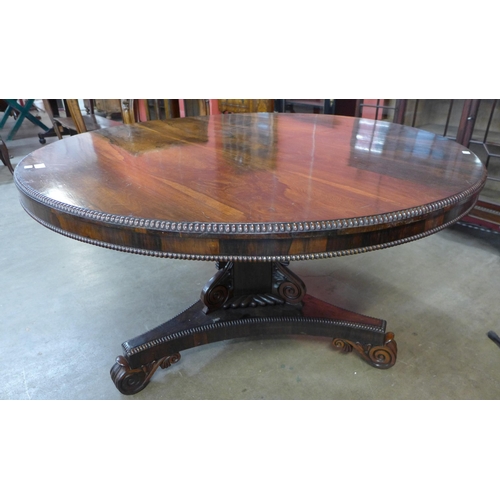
(253, 193)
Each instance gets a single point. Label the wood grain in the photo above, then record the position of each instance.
(251, 185)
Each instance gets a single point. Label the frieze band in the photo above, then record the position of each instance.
(248, 228)
(247, 258)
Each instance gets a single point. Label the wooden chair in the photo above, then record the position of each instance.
(4, 156)
(76, 122)
(156, 109)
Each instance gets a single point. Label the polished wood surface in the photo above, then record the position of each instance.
(251, 185)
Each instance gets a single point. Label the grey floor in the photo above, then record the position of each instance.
(66, 307)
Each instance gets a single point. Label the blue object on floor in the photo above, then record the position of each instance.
(24, 112)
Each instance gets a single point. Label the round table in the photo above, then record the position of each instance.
(253, 193)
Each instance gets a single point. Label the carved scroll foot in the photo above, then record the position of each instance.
(131, 381)
(379, 356)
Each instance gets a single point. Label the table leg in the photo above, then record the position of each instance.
(4, 156)
(249, 300)
(42, 136)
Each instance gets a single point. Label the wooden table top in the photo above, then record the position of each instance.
(250, 186)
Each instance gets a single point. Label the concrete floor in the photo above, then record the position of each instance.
(66, 307)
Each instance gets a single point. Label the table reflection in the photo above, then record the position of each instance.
(247, 142)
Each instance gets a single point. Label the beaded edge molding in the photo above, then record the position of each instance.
(247, 228)
(245, 258)
(130, 351)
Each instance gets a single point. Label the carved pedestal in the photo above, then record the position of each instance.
(246, 299)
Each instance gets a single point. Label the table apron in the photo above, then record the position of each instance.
(209, 246)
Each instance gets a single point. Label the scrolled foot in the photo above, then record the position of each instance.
(342, 345)
(131, 381)
(379, 356)
(384, 356)
(169, 360)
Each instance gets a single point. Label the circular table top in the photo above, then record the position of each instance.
(250, 186)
